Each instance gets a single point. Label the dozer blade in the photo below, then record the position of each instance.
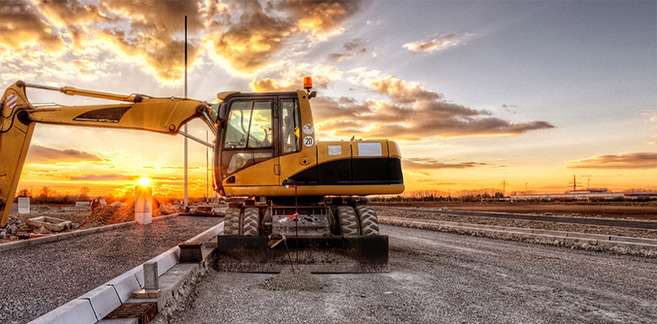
(236, 253)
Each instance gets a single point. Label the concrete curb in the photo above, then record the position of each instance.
(68, 235)
(619, 244)
(93, 306)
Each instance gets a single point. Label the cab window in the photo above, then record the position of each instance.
(290, 126)
(249, 125)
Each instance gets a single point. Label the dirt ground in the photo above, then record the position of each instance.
(439, 277)
(622, 210)
(554, 226)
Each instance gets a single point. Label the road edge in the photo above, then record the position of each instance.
(594, 242)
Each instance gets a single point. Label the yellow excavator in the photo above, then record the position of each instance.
(292, 198)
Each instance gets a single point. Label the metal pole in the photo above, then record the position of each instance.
(186, 200)
(207, 170)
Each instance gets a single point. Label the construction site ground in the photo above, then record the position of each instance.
(37, 279)
(439, 277)
(646, 210)
(461, 217)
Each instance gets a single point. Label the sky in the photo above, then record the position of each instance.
(477, 94)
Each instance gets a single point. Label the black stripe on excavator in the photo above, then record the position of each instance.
(109, 115)
(366, 171)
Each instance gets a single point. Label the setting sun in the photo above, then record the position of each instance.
(144, 182)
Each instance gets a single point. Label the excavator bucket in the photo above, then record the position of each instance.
(15, 136)
(358, 254)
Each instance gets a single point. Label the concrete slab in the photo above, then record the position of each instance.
(120, 321)
(104, 300)
(124, 285)
(633, 240)
(75, 311)
(166, 261)
(13, 245)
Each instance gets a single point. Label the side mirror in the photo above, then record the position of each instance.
(222, 112)
(312, 94)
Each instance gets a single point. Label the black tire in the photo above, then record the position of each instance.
(251, 225)
(369, 224)
(348, 221)
(232, 222)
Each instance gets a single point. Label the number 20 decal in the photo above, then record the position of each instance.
(308, 141)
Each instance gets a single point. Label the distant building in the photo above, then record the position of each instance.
(589, 194)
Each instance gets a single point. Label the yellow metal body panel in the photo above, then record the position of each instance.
(155, 115)
(335, 147)
(259, 174)
(317, 190)
(14, 144)
(393, 150)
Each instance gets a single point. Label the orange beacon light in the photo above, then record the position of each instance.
(307, 83)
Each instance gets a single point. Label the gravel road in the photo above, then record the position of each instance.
(446, 278)
(504, 220)
(37, 279)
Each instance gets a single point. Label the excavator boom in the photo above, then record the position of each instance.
(18, 118)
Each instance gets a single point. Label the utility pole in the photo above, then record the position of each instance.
(207, 170)
(504, 187)
(186, 199)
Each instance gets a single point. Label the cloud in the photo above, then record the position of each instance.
(244, 36)
(380, 119)
(353, 49)
(320, 18)
(42, 154)
(22, 26)
(410, 113)
(400, 91)
(252, 40)
(437, 42)
(104, 177)
(291, 78)
(433, 164)
(641, 160)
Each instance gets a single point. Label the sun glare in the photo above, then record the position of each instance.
(144, 182)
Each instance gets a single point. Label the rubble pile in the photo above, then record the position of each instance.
(18, 226)
(13, 225)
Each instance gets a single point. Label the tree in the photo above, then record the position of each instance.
(45, 191)
(84, 193)
(24, 193)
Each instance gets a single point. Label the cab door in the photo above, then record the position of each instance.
(249, 154)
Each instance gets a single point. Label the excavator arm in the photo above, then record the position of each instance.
(19, 117)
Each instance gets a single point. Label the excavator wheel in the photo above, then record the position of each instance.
(232, 222)
(369, 225)
(251, 221)
(348, 221)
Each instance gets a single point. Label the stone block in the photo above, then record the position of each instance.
(104, 300)
(124, 285)
(75, 311)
